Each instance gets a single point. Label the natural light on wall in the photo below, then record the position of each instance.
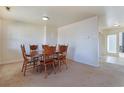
(111, 43)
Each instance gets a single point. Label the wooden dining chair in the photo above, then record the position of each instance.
(48, 59)
(33, 47)
(45, 46)
(62, 55)
(34, 50)
(53, 48)
(28, 63)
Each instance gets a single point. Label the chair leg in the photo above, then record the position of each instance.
(41, 68)
(59, 65)
(37, 68)
(66, 64)
(33, 64)
(25, 69)
(54, 68)
(22, 67)
(46, 74)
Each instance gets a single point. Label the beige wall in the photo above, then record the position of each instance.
(102, 45)
(0, 40)
(51, 35)
(15, 33)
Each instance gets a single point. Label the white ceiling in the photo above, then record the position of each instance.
(63, 15)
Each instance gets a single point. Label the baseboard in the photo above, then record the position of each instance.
(11, 61)
(70, 59)
(83, 63)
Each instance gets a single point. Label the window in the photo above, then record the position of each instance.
(111, 43)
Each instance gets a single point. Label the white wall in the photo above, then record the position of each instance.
(82, 38)
(15, 33)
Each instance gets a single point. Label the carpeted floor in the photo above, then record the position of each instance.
(78, 75)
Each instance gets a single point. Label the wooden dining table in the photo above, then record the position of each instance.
(34, 53)
(38, 53)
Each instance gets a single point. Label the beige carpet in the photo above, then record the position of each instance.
(78, 75)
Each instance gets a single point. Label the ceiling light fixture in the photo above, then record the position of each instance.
(116, 25)
(45, 18)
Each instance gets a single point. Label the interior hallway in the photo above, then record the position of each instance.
(113, 60)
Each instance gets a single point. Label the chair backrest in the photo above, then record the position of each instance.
(48, 53)
(24, 53)
(45, 46)
(33, 47)
(23, 48)
(53, 48)
(63, 48)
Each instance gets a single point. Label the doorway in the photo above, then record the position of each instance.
(112, 43)
(121, 44)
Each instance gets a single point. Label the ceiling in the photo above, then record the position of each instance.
(63, 15)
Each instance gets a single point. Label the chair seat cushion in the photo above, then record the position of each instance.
(47, 61)
(31, 60)
(60, 57)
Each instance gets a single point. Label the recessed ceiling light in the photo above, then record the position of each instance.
(45, 18)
